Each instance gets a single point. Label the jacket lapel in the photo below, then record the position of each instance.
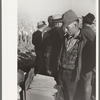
(79, 67)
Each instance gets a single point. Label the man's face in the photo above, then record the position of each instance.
(94, 22)
(59, 24)
(71, 29)
(94, 25)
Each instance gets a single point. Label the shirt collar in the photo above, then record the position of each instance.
(77, 34)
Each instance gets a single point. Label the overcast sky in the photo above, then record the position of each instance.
(37, 10)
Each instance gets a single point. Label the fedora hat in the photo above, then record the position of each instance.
(41, 24)
(88, 18)
(69, 17)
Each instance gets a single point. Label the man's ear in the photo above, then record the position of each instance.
(76, 24)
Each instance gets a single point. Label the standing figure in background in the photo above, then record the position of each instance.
(19, 37)
(53, 45)
(71, 55)
(37, 41)
(89, 26)
(89, 54)
(56, 36)
(47, 47)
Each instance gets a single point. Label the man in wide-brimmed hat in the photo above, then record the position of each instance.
(70, 55)
(37, 41)
(89, 54)
(88, 18)
(70, 59)
(88, 21)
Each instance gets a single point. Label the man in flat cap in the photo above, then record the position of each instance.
(71, 55)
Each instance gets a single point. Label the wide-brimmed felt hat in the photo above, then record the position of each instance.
(41, 24)
(89, 18)
(69, 17)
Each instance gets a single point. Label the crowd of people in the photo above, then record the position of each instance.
(67, 52)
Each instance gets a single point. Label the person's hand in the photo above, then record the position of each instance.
(59, 62)
(49, 72)
(46, 55)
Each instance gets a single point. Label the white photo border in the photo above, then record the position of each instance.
(9, 50)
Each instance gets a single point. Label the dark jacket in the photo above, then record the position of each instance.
(89, 50)
(78, 66)
(86, 53)
(37, 40)
(39, 61)
(56, 36)
(88, 32)
(54, 41)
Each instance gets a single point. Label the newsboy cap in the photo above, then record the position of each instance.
(69, 17)
(57, 18)
(88, 18)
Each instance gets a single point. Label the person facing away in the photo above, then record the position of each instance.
(89, 26)
(47, 48)
(53, 42)
(70, 55)
(56, 35)
(37, 41)
(89, 54)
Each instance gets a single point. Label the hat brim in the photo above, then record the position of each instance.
(40, 26)
(83, 17)
(68, 23)
(57, 20)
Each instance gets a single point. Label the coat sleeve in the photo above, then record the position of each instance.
(34, 38)
(95, 51)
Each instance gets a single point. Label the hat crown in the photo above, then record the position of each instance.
(57, 16)
(69, 17)
(89, 18)
(40, 24)
(89, 15)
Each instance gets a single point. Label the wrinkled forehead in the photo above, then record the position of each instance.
(71, 24)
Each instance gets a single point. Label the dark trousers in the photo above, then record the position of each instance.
(87, 79)
(40, 64)
(68, 85)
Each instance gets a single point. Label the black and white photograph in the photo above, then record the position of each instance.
(56, 50)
